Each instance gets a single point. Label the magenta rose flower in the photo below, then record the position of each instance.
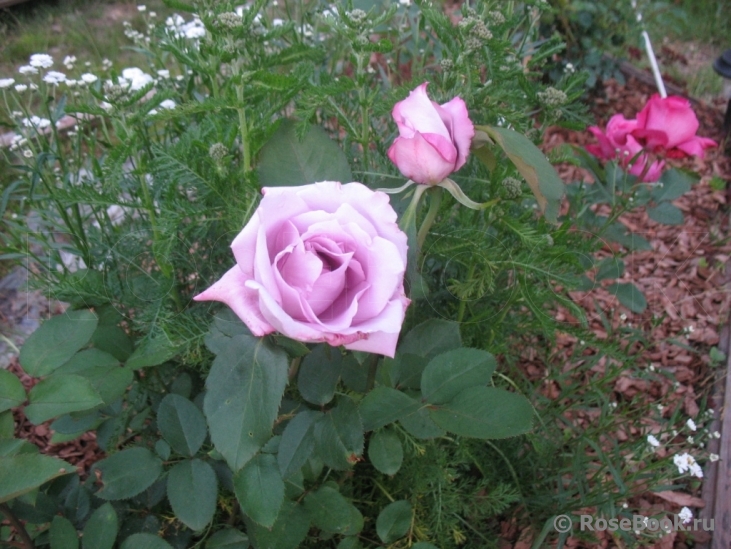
(669, 125)
(434, 140)
(320, 263)
(618, 143)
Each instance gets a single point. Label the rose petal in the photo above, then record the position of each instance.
(384, 271)
(416, 113)
(461, 128)
(419, 160)
(231, 289)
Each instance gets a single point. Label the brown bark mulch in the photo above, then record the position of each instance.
(685, 281)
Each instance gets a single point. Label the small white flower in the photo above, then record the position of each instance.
(691, 424)
(612, 404)
(691, 440)
(89, 78)
(716, 434)
(652, 367)
(660, 408)
(71, 83)
(141, 7)
(405, 3)
(163, 73)
(27, 69)
(713, 457)
(685, 462)
(710, 411)
(277, 22)
(623, 316)
(36, 122)
(42, 60)
(624, 505)
(69, 60)
(653, 441)
(153, 14)
(135, 78)
(686, 515)
(582, 342)
(6, 82)
(20, 88)
(54, 77)
(28, 153)
(168, 104)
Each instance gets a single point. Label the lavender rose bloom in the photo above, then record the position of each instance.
(434, 140)
(321, 262)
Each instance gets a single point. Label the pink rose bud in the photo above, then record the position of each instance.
(434, 140)
(669, 125)
(320, 263)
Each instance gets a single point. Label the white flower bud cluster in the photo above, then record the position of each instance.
(551, 97)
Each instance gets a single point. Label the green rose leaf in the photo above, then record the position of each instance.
(332, 513)
(339, 435)
(289, 530)
(62, 534)
(629, 295)
(674, 184)
(228, 538)
(319, 374)
(431, 338)
(24, 472)
(58, 395)
(287, 161)
(666, 213)
(394, 521)
(145, 541)
(533, 166)
(151, 352)
(384, 405)
(182, 424)
(127, 473)
(113, 340)
(260, 489)
(350, 543)
(101, 528)
(610, 267)
(485, 412)
(297, 442)
(56, 341)
(244, 390)
(192, 491)
(450, 373)
(420, 425)
(12, 393)
(386, 452)
(102, 370)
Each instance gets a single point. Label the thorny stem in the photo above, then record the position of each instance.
(22, 532)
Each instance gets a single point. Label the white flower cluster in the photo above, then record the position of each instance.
(134, 78)
(687, 463)
(181, 29)
(686, 515)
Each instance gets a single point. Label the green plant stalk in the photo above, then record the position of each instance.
(463, 302)
(246, 166)
(435, 200)
(365, 130)
(372, 367)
